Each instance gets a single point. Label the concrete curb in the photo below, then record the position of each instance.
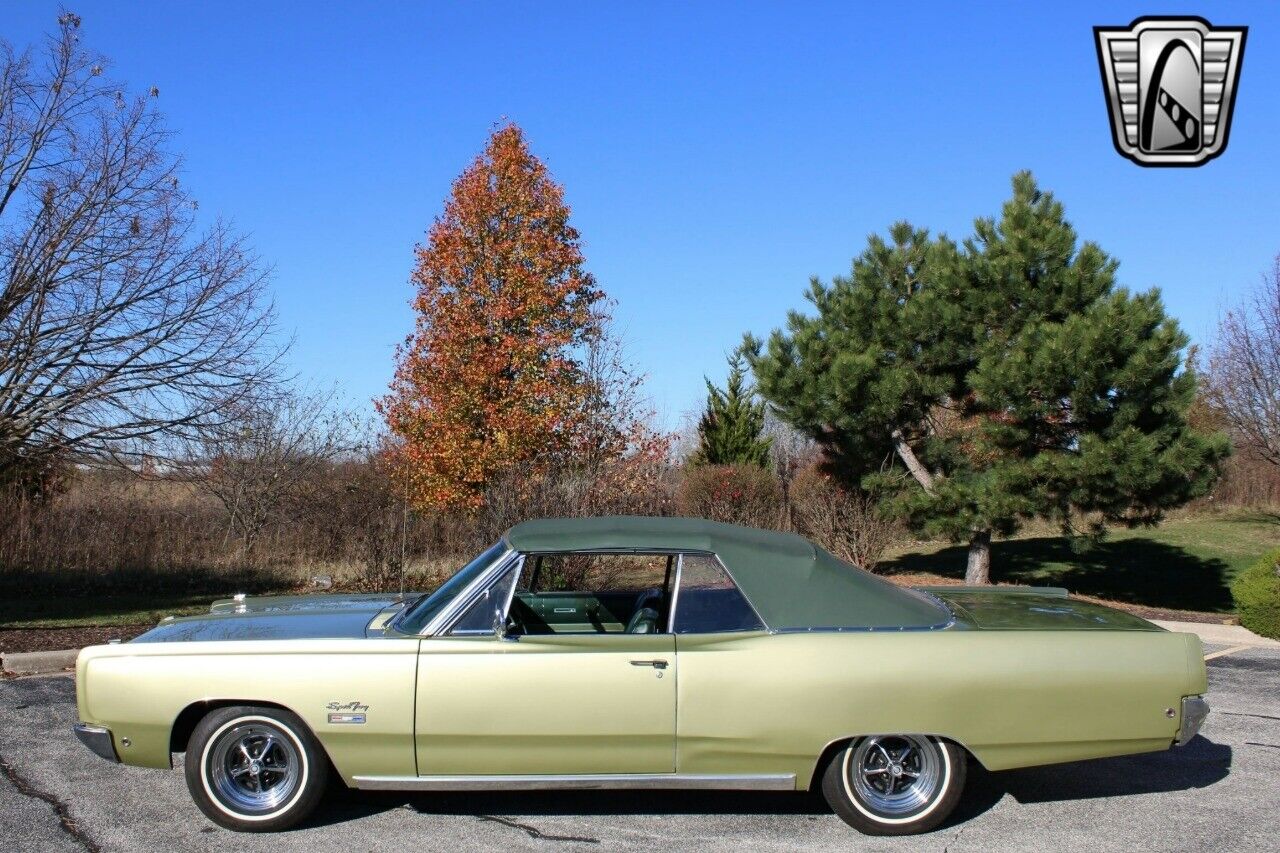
(1219, 635)
(38, 663)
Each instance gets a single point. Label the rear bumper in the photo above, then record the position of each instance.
(97, 739)
(1194, 710)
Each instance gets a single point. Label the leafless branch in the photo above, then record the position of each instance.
(282, 443)
(1243, 381)
(123, 325)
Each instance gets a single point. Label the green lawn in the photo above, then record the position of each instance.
(1186, 563)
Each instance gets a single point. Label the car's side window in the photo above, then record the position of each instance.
(596, 573)
(708, 601)
(593, 593)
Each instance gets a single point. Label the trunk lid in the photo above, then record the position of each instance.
(1033, 609)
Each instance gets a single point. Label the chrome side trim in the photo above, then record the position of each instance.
(591, 781)
(97, 739)
(1194, 710)
(865, 629)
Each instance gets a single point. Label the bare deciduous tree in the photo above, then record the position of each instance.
(845, 522)
(123, 324)
(1243, 381)
(789, 450)
(279, 445)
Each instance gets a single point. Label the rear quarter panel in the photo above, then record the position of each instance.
(138, 691)
(772, 703)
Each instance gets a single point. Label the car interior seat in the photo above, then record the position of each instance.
(643, 621)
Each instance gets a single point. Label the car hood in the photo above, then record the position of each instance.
(283, 617)
(1033, 609)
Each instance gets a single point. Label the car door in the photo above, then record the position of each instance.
(722, 646)
(554, 703)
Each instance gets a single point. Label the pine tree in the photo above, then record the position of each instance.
(489, 378)
(731, 429)
(1009, 378)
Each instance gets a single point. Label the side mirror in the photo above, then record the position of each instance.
(499, 623)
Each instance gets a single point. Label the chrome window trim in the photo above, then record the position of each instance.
(675, 594)
(720, 781)
(638, 551)
(511, 594)
(467, 596)
(865, 629)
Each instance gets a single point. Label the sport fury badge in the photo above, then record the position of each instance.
(1170, 85)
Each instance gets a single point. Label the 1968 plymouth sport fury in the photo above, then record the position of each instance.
(639, 653)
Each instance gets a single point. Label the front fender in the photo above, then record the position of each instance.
(138, 692)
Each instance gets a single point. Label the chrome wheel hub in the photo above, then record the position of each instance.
(895, 775)
(254, 768)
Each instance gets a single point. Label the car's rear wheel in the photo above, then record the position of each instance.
(254, 769)
(895, 784)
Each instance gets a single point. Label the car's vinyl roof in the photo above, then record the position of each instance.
(792, 583)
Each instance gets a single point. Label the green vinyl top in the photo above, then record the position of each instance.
(793, 584)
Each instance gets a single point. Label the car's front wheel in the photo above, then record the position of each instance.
(895, 784)
(254, 769)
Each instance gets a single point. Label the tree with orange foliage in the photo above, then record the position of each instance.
(491, 376)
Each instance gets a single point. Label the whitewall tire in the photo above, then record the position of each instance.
(255, 769)
(895, 784)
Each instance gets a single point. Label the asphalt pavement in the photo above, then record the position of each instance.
(1220, 792)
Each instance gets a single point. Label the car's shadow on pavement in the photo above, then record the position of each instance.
(343, 805)
(1197, 765)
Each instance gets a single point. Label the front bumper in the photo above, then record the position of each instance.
(1194, 710)
(97, 739)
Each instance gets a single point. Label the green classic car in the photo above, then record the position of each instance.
(639, 653)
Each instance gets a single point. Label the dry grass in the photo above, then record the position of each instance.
(112, 548)
(111, 534)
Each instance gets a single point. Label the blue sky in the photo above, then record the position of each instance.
(715, 155)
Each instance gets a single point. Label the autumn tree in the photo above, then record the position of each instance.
(492, 375)
(975, 387)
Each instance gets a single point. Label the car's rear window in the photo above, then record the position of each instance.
(709, 602)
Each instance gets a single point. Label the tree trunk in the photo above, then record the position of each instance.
(979, 569)
(908, 457)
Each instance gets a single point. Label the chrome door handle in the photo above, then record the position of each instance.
(656, 664)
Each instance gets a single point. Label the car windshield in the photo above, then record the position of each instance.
(426, 608)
